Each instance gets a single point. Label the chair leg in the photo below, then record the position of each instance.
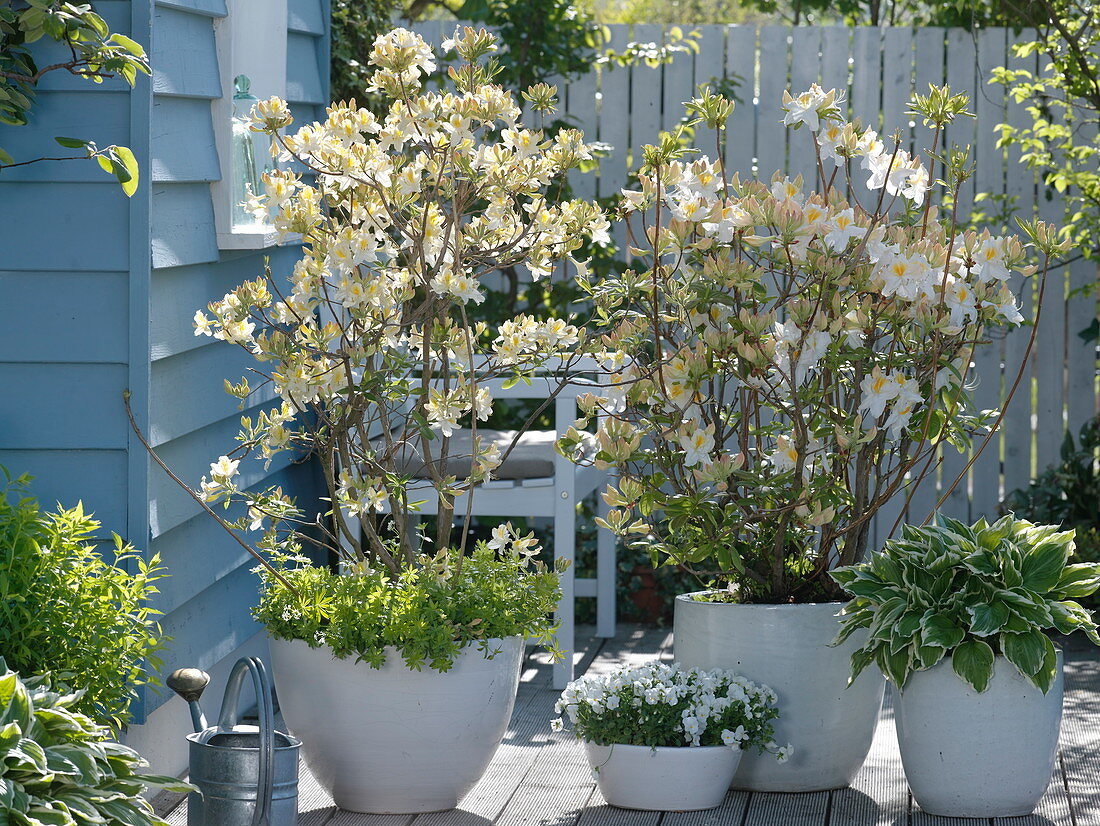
(565, 537)
(606, 570)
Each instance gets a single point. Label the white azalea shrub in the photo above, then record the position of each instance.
(371, 349)
(664, 704)
(785, 358)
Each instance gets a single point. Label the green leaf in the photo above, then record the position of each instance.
(1043, 566)
(987, 619)
(973, 662)
(129, 162)
(941, 630)
(72, 143)
(1078, 581)
(1044, 678)
(1025, 651)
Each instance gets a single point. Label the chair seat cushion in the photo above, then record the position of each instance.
(532, 457)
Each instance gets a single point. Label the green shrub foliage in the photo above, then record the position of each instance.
(1068, 493)
(970, 593)
(427, 613)
(65, 609)
(59, 768)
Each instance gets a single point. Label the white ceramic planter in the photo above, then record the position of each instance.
(664, 778)
(392, 740)
(786, 647)
(978, 755)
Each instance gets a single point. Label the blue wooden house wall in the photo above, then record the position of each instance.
(99, 293)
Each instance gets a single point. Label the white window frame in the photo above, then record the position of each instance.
(251, 40)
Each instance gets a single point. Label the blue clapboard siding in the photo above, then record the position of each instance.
(98, 478)
(177, 292)
(57, 226)
(59, 406)
(183, 225)
(198, 553)
(85, 314)
(64, 285)
(175, 116)
(184, 56)
(208, 598)
(68, 115)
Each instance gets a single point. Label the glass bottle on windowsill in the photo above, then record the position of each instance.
(251, 157)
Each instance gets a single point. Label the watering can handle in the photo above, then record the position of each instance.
(265, 787)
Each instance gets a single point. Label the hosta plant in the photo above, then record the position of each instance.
(663, 704)
(59, 768)
(373, 351)
(788, 358)
(971, 594)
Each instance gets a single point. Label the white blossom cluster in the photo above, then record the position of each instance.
(665, 704)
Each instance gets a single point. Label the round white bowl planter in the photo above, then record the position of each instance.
(666, 778)
(392, 740)
(978, 755)
(829, 724)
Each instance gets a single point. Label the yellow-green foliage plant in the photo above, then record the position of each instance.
(66, 609)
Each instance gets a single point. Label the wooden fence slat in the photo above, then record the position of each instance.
(741, 70)
(1020, 188)
(805, 70)
(710, 70)
(645, 105)
(928, 68)
(580, 105)
(771, 134)
(867, 76)
(897, 83)
(1049, 360)
(614, 130)
(679, 78)
(985, 475)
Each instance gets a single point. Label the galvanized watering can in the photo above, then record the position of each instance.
(247, 775)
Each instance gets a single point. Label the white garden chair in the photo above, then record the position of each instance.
(535, 481)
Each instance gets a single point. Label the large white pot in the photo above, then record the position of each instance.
(978, 755)
(393, 740)
(663, 778)
(786, 647)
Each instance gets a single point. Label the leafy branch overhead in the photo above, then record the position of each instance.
(94, 53)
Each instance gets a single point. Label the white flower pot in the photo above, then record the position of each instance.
(829, 724)
(978, 755)
(392, 740)
(665, 778)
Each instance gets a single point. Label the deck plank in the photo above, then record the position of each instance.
(879, 795)
(1080, 755)
(774, 809)
(730, 813)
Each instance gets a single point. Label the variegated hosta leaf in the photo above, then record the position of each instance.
(57, 767)
(971, 593)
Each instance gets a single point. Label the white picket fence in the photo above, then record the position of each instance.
(878, 69)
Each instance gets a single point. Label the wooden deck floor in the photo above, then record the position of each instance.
(539, 777)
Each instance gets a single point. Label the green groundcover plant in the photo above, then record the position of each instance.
(663, 704)
(67, 610)
(427, 612)
(58, 767)
(970, 593)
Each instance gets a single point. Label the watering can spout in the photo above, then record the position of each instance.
(190, 683)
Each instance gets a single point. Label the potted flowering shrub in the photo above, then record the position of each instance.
(668, 738)
(399, 672)
(795, 360)
(958, 618)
